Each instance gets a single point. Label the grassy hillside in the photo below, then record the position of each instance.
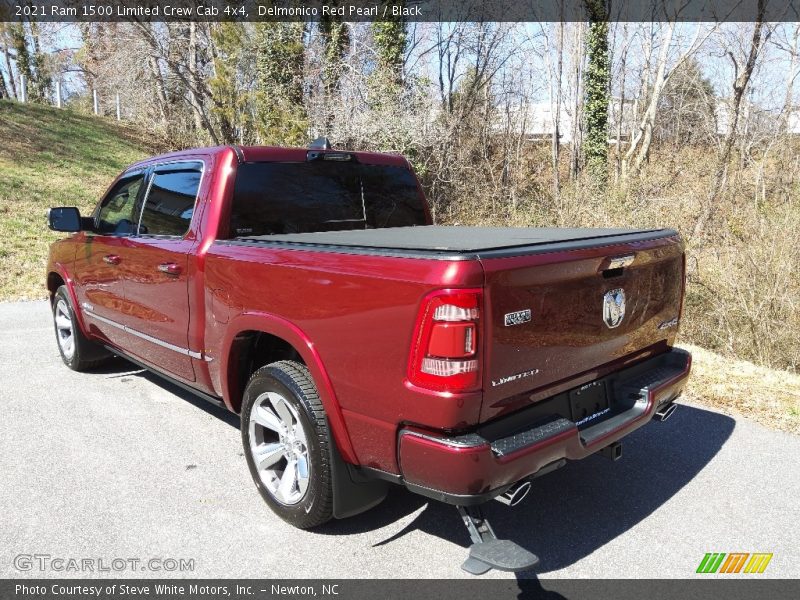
(51, 157)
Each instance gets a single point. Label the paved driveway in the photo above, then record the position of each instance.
(117, 464)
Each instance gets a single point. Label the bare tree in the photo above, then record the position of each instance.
(743, 71)
(555, 72)
(639, 148)
(578, 57)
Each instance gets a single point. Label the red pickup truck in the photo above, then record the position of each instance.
(309, 291)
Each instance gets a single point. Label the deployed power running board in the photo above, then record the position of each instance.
(487, 552)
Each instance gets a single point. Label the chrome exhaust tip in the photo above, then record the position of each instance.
(665, 412)
(515, 494)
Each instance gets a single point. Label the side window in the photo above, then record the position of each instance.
(170, 202)
(118, 212)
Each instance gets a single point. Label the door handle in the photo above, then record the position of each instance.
(170, 269)
(112, 259)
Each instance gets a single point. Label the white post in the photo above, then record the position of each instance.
(118, 111)
(22, 92)
(96, 107)
(58, 94)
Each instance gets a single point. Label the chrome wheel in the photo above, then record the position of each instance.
(64, 330)
(278, 446)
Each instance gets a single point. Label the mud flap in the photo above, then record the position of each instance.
(352, 492)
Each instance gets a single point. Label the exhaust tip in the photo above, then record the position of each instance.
(515, 494)
(664, 413)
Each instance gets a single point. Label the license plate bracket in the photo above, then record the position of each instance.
(588, 402)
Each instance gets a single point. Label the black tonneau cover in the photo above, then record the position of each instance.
(459, 241)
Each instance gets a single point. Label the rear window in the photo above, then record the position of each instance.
(278, 197)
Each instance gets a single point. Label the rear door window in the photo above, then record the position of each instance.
(119, 212)
(170, 200)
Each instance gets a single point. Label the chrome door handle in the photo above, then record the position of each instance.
(170, 269)
(112, 259)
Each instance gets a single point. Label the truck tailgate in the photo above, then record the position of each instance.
(586, 312)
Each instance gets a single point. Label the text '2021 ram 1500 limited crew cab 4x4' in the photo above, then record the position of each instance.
(308, 290)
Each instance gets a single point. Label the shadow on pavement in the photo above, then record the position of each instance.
(119, 368)
(574, 511)
(569, 513)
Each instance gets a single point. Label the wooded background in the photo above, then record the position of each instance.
(669, 124)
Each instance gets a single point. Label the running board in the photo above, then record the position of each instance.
(487, 552)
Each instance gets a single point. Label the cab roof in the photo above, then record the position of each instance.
(273, 154)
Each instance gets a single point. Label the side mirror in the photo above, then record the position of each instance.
(64, 218)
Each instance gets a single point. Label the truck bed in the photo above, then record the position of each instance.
(459, 242)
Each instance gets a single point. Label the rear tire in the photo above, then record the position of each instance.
(287, 443)
(77, 351)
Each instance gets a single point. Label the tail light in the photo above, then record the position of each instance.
(445, 351)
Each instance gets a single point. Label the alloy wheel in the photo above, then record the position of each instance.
(279, 448)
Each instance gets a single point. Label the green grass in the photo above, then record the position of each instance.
(52, 157)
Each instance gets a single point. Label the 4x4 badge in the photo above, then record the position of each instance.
(614, 307)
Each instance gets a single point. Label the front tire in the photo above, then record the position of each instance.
(287, 443)
(77, 351)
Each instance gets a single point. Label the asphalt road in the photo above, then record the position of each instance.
(116, 464)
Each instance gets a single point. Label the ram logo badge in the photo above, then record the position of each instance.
(614, 307)
(517, 318)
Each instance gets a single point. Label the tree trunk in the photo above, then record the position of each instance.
(739, 88)
(788, 102)
(639, 146)
(621, 103)
(598, 74)
(161, 90)
(194, 99)
(577, 108)
(555, 105)
(12, 84)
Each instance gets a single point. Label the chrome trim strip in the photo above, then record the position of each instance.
(463, 441)
(144, 336)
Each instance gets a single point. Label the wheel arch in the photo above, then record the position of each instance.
(285, 337)
(56, 277)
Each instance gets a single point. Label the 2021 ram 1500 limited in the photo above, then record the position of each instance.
(308, 291)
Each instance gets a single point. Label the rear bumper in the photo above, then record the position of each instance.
(475, 467)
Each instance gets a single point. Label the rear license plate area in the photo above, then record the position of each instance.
(589, 403)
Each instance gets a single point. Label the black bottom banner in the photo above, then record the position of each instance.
(416, 589)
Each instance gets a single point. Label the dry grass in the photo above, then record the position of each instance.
(51, 157)
(768, 396)
(743, 283)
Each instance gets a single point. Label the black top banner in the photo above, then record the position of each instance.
(410, 10)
